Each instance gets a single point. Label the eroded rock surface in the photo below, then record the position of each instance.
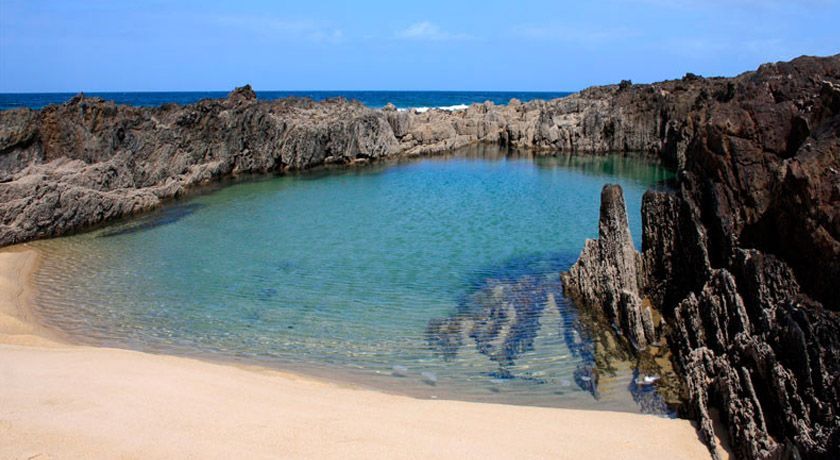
(607, 278)
(68, 167)
(741, 259)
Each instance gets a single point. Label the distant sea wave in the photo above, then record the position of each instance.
(418, 100)
(441, 107)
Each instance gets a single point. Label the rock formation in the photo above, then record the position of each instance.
(607, 277)
(502, 319)
(72, 166)
(741, 259)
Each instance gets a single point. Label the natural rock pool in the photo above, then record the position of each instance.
(435, 278)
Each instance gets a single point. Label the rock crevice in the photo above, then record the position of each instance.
(740, 260)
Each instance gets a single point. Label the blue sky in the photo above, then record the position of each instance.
(546, 45)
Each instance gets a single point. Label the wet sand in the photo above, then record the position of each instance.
(64, 401)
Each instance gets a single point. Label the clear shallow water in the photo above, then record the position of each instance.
(375, 99)
(437, 278)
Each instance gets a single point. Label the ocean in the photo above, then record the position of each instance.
(375, 99)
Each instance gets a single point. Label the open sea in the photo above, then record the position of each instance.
(374, 99)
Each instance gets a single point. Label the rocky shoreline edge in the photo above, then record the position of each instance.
(738, 267)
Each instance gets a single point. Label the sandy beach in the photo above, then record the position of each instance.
(64, 401)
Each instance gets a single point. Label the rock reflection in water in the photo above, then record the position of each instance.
(164, 216)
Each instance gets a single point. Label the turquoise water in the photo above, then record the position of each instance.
(436, 278)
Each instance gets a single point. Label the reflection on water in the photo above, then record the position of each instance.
(435, 278)
(164, 216)
(606, 166)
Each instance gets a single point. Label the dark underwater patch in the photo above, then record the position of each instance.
(515, 291)
(166, 216)
(501, 314)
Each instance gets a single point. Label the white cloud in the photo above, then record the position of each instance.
(425, 30)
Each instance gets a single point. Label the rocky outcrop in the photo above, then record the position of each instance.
(89, 161)
(746, 273)
(607, 277)
(72, 166)
(741, 258)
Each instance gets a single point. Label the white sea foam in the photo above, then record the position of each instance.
(450, 108)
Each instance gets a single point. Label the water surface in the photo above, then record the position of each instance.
(374, 99)
(436, 278)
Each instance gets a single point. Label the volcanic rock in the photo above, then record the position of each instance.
(607, 276)
(741, 258)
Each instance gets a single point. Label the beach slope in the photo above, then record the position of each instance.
(65, 401)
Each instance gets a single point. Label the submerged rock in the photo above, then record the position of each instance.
(741, 260)
(429, 378)
(502, 319)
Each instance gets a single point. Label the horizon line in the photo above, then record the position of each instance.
(302, 91)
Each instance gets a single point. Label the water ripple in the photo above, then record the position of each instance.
(445, 272)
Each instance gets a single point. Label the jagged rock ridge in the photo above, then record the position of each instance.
(741, 260)
(69, 167)
(608, 274)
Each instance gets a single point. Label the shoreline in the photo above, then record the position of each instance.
(18, 322)
(67, 400)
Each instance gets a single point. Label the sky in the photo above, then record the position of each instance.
(536, 45)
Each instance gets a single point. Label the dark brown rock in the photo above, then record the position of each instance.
(741, 259)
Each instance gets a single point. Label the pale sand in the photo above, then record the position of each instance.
(65, 401)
